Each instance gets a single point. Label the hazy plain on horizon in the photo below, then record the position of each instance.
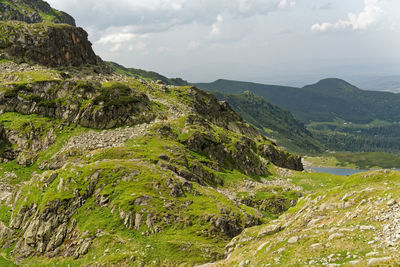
(292, 42)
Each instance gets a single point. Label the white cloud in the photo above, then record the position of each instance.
(371, 13)
(216, 27)
(161, 15)
(116, 38)
(286, 4)
(121, 39)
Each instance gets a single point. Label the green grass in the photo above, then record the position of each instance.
(313, 182)
(361, 160)
(34, 76)
(6, 263)
(5, 213)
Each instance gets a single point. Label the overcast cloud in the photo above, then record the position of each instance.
(259, 40)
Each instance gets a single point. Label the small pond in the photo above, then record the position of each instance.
(336, 171)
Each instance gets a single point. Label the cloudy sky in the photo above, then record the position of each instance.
(254, 40)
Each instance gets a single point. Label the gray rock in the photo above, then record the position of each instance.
(335, 235)
(378, 261)
(293, 240)
(269, 230)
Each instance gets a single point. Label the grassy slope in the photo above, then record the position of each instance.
(326, 231)
(366, 160)
(177, 242)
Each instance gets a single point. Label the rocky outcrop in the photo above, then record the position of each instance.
(84, 104)
(219, 112)
(281, 158)
(45, 229)
(46, 44)
(32, 11)
(23, 144)
(6, 151)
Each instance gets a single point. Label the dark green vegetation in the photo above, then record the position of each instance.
(273, 121)
(325, 101)
(339, 135)
(338, 115)
(146, 75)
(361, 160)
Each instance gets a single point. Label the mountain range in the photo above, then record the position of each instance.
(326, 100)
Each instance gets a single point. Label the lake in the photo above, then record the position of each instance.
(337, 171)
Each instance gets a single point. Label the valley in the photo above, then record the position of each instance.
(106, 165)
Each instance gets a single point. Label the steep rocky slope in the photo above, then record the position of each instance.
(32, 11)
(100, 168)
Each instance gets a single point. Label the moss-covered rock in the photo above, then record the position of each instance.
(89, 105)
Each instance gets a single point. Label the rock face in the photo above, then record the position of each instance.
(24, 144)
(45, 230)
(84, 104)
(46, 44)
(32, 11)
(281, 158)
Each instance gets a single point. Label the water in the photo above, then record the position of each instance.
(337, 171)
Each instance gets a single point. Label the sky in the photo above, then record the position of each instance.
(268, 41)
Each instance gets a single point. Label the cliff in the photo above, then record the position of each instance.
(46, 44)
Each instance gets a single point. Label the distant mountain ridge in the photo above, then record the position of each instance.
(32, 11)
(326, 100)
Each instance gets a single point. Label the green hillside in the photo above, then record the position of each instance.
(337, 114)
(324, 101)
(273, 121)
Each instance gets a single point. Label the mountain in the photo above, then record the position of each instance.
(147, 75)
(32, 11)
(327, 100)
(46, 44)
(273, 121)
(99, 168)
(103, 169)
